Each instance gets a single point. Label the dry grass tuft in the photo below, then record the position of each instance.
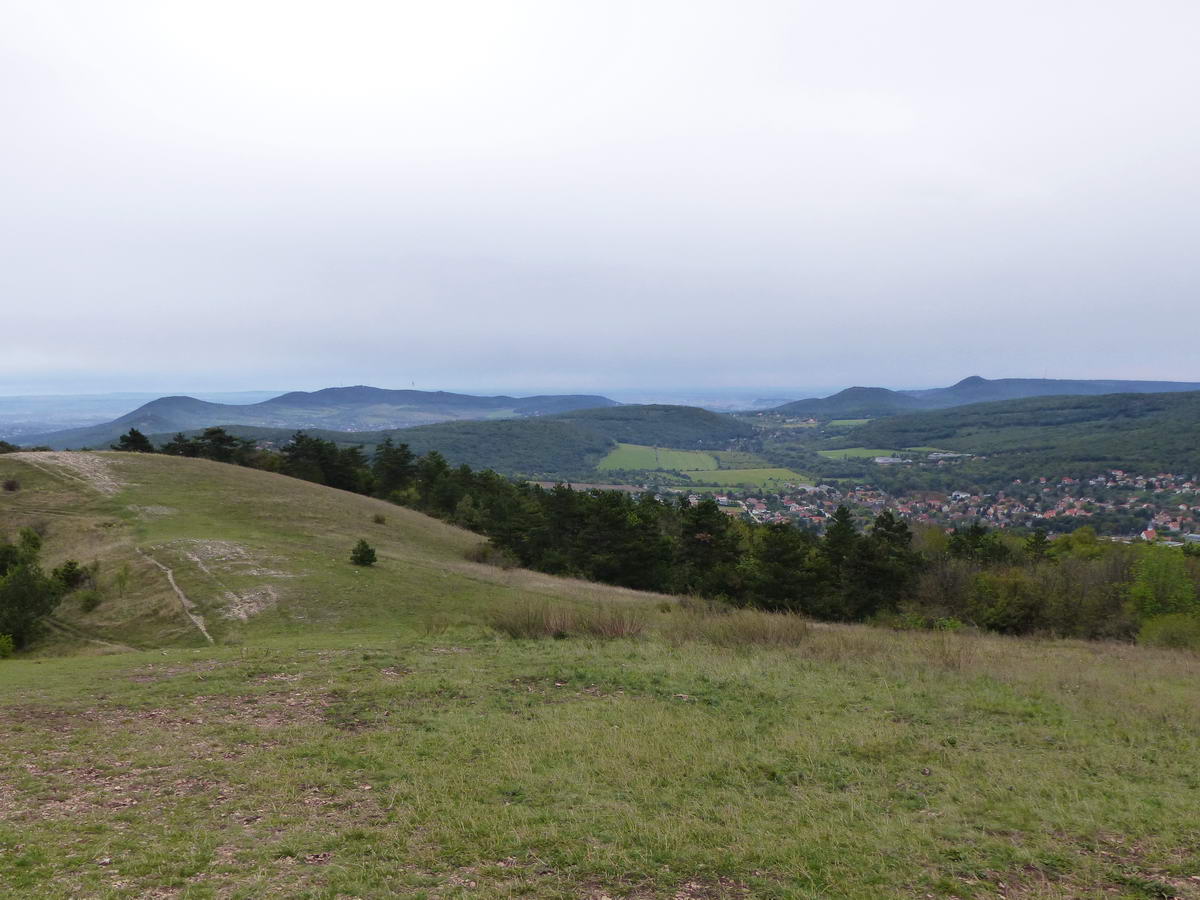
(738, 628)
(547, 620)
(531, 620)
(611, 622)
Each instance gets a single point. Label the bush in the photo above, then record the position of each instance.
(489, 554)
(70, 575)
(363, 554)
(1178, 630)
(379, 519)
(6, 645)
(12, 485)
(26, 595)
(1008, 601)
(89, 599)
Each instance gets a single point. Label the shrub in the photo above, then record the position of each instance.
(12, 485)
(121, 579)
(379, 519)
(26, 595)
(6, 645)
(70, 575)
(489, 554)
(1162, 584)
(363, 554)
(89, 599)
(1008, 601)
(1178, 630)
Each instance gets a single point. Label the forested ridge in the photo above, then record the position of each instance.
(1154, 430)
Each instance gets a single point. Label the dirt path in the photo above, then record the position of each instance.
(87, 468)
(189, 608)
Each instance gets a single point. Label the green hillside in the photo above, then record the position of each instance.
(1154, 431)
(373, 732)
(235, 539)
(568, 445)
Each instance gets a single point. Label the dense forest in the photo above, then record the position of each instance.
(1075, 585)
(1154, 431)
(565, 445)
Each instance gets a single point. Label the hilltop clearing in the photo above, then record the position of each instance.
(371, 732)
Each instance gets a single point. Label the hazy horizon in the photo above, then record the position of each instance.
(596, 197)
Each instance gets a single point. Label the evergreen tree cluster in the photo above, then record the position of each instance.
(27, 593)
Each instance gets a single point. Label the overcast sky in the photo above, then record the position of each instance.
(596, 196)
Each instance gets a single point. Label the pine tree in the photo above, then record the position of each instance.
(133, 441)
(363, 554)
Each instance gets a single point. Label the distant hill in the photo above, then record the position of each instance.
(852, 403)
(1120, 430)
(358, 408)
(566, 444)
(869, 403)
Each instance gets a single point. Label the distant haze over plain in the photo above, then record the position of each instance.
(673, 199)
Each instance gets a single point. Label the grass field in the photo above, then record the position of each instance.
(636, 456)
(846, 423)
(857, 453)
(369, 735)
(757, 477)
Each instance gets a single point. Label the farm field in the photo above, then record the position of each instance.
(856, 453)
(376, 732)
(637, 456)
(846, 423)
(757, 477)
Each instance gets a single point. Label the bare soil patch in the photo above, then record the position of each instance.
(89, 468)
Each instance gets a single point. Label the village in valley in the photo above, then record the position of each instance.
(1162, 506)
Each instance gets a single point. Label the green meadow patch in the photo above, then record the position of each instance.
(857, 453)
(758, 477)
(637, 456)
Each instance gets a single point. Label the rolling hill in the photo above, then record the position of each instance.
(874, 402)
(338, 409)
(246, 714)
(1122, 430)
(567, 444)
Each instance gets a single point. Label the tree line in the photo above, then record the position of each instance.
(1075, 585)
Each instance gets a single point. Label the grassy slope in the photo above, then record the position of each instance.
(252, 531)
(389, 745)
